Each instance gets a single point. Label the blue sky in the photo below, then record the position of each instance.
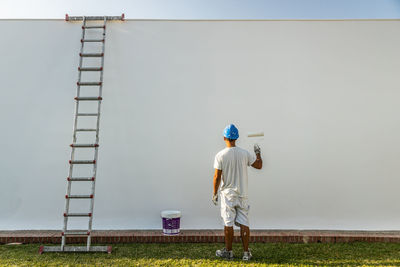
(205, 9)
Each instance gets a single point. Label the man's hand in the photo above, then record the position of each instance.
(215, 200)
(216, 182)
(258, 163)
(257, 149)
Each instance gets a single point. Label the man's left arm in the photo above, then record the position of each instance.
(217, 181)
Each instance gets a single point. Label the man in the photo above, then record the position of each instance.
(231, 172)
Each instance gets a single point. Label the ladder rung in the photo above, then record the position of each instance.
(90, 69)
(82, 162)
(78, 18)
(71, 232)
(88, 83)
(79, 196)
(77, 214)
(87, 114)
(92, 40)
(94, 27)
(85, 130)
(80, 179)
(89, 98)
(84, 145)
(91, 54)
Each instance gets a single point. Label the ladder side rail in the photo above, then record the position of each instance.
(66, 210)
(97, 140)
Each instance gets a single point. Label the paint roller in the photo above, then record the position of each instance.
(256, 136)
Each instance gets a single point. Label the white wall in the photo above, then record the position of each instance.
(326, 94)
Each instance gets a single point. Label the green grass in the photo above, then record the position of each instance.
(280, 254)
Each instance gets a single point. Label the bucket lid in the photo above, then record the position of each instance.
(171, 214)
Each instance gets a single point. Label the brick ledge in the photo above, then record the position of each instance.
(201, 236)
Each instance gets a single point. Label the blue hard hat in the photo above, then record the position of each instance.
(231, 132)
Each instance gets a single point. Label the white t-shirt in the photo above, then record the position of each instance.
(233, 162)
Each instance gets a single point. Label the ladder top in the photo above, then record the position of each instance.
(78, 18)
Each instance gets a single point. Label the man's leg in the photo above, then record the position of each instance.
(228, 237)
(245, 234)
(227, 251)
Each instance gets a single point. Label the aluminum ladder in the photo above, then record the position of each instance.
(76, 145)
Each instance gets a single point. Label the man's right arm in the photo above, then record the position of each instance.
(258, 163)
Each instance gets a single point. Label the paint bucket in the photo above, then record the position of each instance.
(171, 220)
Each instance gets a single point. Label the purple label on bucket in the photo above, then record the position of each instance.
(171, 224)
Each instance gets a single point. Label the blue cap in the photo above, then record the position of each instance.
(231, 132)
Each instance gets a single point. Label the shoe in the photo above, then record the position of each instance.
(223, 253)
(247, 255)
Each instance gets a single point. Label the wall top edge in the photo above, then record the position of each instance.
(214, 20)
